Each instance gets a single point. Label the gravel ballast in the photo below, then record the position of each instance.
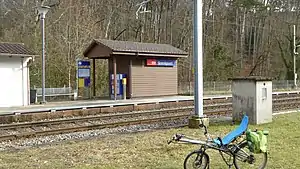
(54, 139)
(38, 141)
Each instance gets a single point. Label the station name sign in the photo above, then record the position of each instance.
(159, 62)
(84, 63)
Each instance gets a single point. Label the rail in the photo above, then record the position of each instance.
(88, 123)
(122, 103)
(90, 118)
(69, 125)
(88, 127)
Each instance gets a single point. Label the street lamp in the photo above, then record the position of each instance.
(42, 13)
(142, 8)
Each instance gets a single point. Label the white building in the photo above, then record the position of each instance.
(14, 74)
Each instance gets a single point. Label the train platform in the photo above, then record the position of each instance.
(84, 104)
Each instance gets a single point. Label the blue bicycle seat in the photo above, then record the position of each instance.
(235, 133)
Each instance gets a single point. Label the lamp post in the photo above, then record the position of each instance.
(198, 55)
(142, 9)
(198, 65)
(42, 13)
(295, 53)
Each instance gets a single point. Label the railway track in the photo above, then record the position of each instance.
(68, 125)
(61, 126)
(89, 127)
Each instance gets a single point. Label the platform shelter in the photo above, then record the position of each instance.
(149, 69)
(15, 59)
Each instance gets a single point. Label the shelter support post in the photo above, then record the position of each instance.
(115, 76)
(130, 79)
(94, 77)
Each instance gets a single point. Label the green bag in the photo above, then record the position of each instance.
(257, 141)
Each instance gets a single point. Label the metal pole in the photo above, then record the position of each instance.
(43, 56)
(23, 90)
(294, 57)
(77, 81)
(115, 77)
(94, 77)
(198, 55)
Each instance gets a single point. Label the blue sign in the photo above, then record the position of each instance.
(83, 73)
(87, 81)
(158, 62)
(166, 63)
(83, 63)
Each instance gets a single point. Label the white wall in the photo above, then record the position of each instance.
(14, 85)
(243, 99)
(263, 104)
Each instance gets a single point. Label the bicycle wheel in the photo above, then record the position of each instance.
(244, 159)
(196, 162)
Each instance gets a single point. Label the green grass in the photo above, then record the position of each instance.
(149, 149)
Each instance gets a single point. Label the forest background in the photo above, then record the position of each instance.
(241, 37)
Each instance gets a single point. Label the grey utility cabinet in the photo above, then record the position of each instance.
(253, 96)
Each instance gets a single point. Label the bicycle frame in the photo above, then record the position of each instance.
(208, 144)
(230, 145)
(230, 149)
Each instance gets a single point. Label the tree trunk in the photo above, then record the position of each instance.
(242, 38)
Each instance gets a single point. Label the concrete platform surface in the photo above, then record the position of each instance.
(67, 105)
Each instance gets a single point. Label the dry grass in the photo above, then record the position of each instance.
(149, 150)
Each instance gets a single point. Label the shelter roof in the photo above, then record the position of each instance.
(15, 49)
(114, 47)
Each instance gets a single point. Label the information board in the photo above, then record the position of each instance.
(83, 73)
